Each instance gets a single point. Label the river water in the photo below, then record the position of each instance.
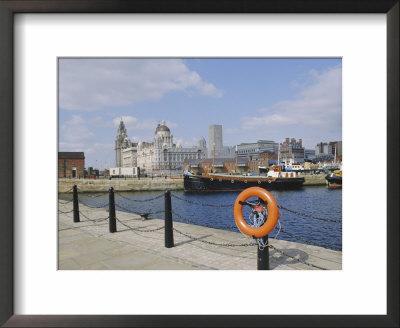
(314, 207)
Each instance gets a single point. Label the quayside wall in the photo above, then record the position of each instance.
(120, 184)
(147, 184)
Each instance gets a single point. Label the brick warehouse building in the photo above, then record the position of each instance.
(71, 164)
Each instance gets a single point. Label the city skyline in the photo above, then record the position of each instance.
(252, 99)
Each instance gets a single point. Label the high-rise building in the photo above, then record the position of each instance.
(216, 146)
(215, 139)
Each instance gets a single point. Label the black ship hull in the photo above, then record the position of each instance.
(194, 183)
(334, 179)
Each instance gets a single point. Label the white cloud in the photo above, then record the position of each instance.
(318, 105)
(75, 131)
(91, 84)
(100, 122)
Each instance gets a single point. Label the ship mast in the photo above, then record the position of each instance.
(236, 158)
(335, 152)
(213, 159)
(279, 150)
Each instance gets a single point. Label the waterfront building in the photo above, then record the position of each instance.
(162, 154)
(216, 144)
(262, 162)
(254, 149)
(123, 171)
(129, 156)
(326, 151)
(291, 150)
(71, 164)
(125, 149)
(323, 148)
(336, 148)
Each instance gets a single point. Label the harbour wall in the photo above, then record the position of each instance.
(120, 184)
(147, 184)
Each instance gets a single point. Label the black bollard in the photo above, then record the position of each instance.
(263, 255)
(111, 206)
(75, 203)
(169, 234)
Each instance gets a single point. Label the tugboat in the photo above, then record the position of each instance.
(275, 179)
(334, 179)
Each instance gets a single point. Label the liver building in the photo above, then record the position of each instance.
(125, 150)
(161, 154)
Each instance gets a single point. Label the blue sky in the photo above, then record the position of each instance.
(254, 98)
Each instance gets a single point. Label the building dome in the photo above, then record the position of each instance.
(162, 128)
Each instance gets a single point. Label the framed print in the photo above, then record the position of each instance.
(35, 35)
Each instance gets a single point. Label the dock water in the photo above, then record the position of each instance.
(138, 244)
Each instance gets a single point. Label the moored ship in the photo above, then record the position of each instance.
(334, 179)
(275, 179)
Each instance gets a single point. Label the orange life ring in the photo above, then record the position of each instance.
(273, 212)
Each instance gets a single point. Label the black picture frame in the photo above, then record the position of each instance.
(7, 10)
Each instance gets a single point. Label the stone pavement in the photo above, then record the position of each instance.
(139, 245)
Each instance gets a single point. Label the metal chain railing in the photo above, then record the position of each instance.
(186, 220)
(201, 224)
(213, 243)
(138, 200)
(309, 216)
(296, 259)
(144, 214)
(201, 204)
(93, 220)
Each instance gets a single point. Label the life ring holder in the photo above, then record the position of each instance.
(273, 212)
